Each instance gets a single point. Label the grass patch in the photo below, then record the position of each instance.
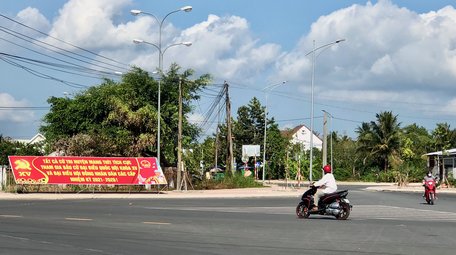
(235, 181)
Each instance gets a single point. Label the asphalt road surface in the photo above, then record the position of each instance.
(380, 223)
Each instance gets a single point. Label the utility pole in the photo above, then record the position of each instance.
(216, 145)
(217, 137)
(229, 138)
(179, 140)
(325, 139)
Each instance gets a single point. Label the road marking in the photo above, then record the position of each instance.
(94, 250)
(78, 219)
(156, 223)
(10, 216)
(384, 212)
(16, 237)
(359, 212)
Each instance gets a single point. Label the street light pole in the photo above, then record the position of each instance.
(160, 59)
(267, 90)
(312, 98)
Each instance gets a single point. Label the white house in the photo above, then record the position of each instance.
(442, 163)
(36, 139)
(301, 135)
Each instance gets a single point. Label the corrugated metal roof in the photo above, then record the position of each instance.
(439, 153)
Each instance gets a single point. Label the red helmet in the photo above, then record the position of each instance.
(327, 169)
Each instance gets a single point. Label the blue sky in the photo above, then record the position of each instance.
(398, 56)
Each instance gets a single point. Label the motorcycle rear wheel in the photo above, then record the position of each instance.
(302, 211)
(344, 212)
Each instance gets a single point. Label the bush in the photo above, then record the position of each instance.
(342, 174)
(230, 182)
(452, 181)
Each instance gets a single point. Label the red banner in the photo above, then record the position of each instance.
(86, 170)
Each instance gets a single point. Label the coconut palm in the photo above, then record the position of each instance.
(380, 140)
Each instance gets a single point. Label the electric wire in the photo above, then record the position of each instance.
(62, 41)
(59, 53)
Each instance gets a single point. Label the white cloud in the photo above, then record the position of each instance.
(90, 24)
(387, 48)
(9, 115)
(32, 17)
(222, 46)
(383, 66)
(450, 108)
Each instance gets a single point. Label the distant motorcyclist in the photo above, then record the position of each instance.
(428, 177)
(327, 184)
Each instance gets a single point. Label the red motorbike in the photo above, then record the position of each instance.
(429, 191)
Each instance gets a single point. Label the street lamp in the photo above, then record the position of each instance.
(160, 58)
(323, 47)
(267, 90)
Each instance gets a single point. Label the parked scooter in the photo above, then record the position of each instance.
(429, 191)
(335, 204)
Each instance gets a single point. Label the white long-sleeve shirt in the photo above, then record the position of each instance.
(329, 182)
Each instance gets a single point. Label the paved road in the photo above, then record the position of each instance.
(380, 223)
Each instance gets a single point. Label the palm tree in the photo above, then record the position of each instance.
(442, 137)
(380, 140)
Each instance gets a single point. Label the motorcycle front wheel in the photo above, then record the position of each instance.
(302, 211)
(431, 198)
(344, 212)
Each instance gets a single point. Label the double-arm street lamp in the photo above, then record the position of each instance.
(161, 52)
(315, 49)
(267, 90)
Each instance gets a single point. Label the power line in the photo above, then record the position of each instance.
(62, 41)
(21, 108)
(72, 65)
(42, 75)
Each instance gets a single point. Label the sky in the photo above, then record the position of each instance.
(397, 56)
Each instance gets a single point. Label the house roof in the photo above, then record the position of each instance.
(440, 153)
(35, 139)
(288, 133)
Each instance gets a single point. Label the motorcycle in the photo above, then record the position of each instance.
(429, 191)
(335, 204)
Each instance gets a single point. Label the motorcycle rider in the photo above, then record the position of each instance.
(428, 177)
(327, 184)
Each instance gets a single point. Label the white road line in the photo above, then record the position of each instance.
(15, 237)
(382, 212)
(10, 216)
(156, 223)
(94, 250)
(359, 212)
(78, 219)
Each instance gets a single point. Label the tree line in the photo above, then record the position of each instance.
(120, 119)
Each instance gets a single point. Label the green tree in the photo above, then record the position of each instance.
(9, 147)
(443, 137)
(415, 142)
(248, 128)
(380, 140)
(120, 118)
(347, 163)
(276, 151)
